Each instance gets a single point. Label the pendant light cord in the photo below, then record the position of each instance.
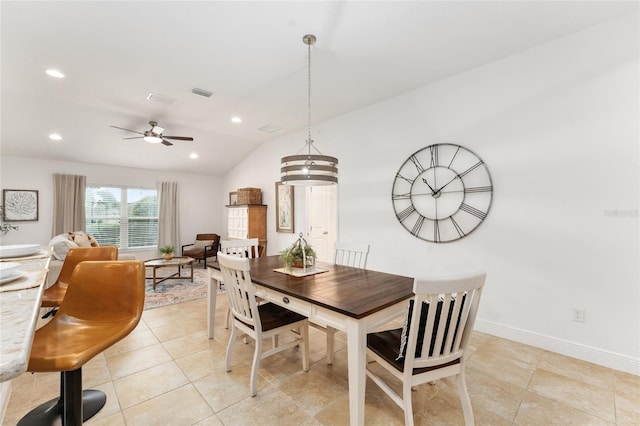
(309, 141)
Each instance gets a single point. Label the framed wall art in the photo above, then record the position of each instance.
(233, 198)
(284, 208)
(19, 205)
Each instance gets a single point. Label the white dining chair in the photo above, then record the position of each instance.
(245, 248)
(433, 342)
(348, 254)
(241, 248)
(258, 321)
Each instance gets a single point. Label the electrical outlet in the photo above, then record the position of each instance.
(578, 314)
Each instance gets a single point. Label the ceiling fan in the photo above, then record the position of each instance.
(154, 135)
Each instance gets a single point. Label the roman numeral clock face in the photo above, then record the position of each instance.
(442, 193)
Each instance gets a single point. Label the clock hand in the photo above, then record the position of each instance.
(442, 187)
(433, 191)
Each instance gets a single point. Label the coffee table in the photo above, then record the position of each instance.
(178, 262)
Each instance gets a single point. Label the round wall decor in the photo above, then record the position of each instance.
(442, 193)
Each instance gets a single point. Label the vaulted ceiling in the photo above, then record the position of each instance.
(250, 55)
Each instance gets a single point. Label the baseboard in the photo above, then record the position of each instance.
(586, 353)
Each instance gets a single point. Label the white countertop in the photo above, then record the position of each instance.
(19, 311)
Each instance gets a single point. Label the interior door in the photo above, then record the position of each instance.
(322, 215)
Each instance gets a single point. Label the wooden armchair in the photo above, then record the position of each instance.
(205, 246)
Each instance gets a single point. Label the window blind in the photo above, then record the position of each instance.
(122, 216)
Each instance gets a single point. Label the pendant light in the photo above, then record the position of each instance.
(309, 169)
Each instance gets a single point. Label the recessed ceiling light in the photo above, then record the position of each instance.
(193, 156)
(236, 119)
(55, 137)
(55, 73)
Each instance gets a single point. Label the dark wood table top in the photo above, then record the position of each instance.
(350, 291)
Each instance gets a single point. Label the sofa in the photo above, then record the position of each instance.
(60, 245)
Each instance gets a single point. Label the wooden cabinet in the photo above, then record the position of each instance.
(248, 221)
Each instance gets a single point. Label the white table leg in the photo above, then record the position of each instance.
(357, 356)
(212, 288)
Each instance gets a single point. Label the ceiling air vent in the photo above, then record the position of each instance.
(160, 98)
(269, 128)
(201, 92)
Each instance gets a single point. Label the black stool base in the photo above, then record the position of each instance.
(50, 413)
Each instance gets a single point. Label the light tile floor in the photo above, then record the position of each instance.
(166, 372)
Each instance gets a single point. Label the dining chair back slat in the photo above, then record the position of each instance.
(351, 254)
(240, 292)
(242, 248)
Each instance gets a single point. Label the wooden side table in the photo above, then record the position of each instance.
(178, 262)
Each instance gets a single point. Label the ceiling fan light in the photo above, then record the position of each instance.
(152, 139)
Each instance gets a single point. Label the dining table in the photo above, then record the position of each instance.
(353, 300)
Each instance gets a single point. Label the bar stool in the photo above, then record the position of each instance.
(52, 296)
(103, 304)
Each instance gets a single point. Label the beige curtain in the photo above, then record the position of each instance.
(168, 232)
(68, 203)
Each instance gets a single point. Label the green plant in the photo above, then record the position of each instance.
(167, 249)
(292, 256)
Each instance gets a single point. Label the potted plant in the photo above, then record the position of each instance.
(167, 252)
(297, 254)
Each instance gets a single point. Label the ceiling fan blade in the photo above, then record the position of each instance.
(178, 138)
(128, 130)
(134, 137)
(167, 143)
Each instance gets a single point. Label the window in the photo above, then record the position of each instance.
(121, 216)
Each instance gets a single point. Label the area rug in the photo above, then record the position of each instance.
(173, 291)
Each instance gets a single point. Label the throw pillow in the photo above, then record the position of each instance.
(80, 238)
(60, 245)
(406, 327)
(201, 244)
(92, 241)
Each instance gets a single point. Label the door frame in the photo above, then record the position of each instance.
(332, 215)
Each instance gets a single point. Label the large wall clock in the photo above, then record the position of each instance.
(442, 193)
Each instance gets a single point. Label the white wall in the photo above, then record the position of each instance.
(200, 197)
(557, 126)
